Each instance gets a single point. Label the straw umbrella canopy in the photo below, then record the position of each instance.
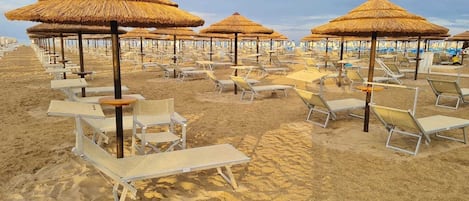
(60, 29)
(211, 36)
(175, 31)
(236, 24)
(130, 13)
(140, 33)
(379, 18)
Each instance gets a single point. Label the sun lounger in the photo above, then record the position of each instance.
(222, 84)
(254, 90)
(403, 122)
(394, 76)
(355, 78)
(448, 89)
(103, 126)
(316, 103)
(125, 171)
(97, 90)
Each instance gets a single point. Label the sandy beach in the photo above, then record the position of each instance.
(291, 159)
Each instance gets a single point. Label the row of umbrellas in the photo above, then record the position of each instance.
(372, 19)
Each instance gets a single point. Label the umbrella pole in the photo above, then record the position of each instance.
(236, 60)
(117, 88)
(141, 51)
(210, 53)
(370, 79)
(257, 49)
(82, 65)
(62, 52)
(174, 52)
(325, 58)
(341, 58)
(359, 49)
(417, 59)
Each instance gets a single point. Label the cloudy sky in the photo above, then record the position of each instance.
(292, 18)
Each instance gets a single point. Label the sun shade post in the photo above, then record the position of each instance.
(210, 53)
(417, 58)
(370, 79)
(117, 88)
(82, 62)
(62, 51)
(236, 60)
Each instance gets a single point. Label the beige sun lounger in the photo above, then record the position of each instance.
(103, 126)
(448, 89)
(125, 171)
(254, 90)
(316, 103)
(394, 76)
(222, 84)
(97, 90)
(403, 122)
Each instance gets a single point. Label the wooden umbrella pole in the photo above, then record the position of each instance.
(257, 49)
(82, 63)
(341, 58)
(210, 53)
(174, 52)
(117, 88)
(62, 52)
(141, 51)
(370, 79)
(417, 59)
(236, 60)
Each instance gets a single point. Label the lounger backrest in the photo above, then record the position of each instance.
(386, 68)
(354, 76)
(311, 98)
(444, 86)
(160, 110)
(396, 117)
(211, 76)
(102, 160)
(242, 83)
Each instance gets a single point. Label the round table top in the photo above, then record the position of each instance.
(367, 89)
(125, 100)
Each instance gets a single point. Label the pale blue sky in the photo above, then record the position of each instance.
(292, 18)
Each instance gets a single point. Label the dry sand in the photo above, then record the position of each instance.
(291, 159)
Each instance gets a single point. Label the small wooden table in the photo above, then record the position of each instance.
(125, 100)
(369, 89)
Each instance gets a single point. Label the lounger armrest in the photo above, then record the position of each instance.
(176, 117)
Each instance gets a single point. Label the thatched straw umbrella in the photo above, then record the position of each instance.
(464, 36)
(236, 24)
(60, 29)
(175, 31)
(211, 36)
(379, 18)
(140, 33)
(130, 13)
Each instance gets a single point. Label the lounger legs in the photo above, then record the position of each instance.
(437, 103)
(126, 188)
(388, 141)
(228, 176)
(464, 140)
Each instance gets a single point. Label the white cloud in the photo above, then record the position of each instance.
(318, 17)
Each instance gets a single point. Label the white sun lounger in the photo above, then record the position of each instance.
(316, 103)
(254, 90)
(403, 122)
(124, 171)
(448, 89)
(222, 84)
(96, 90)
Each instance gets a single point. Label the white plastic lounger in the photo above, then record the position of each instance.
(125, 171)
(96, 90)
(103, 126)
(316, 103)
(222, 84)
(448, 89)
(95, 99)
(403, 122)
(254, 90)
